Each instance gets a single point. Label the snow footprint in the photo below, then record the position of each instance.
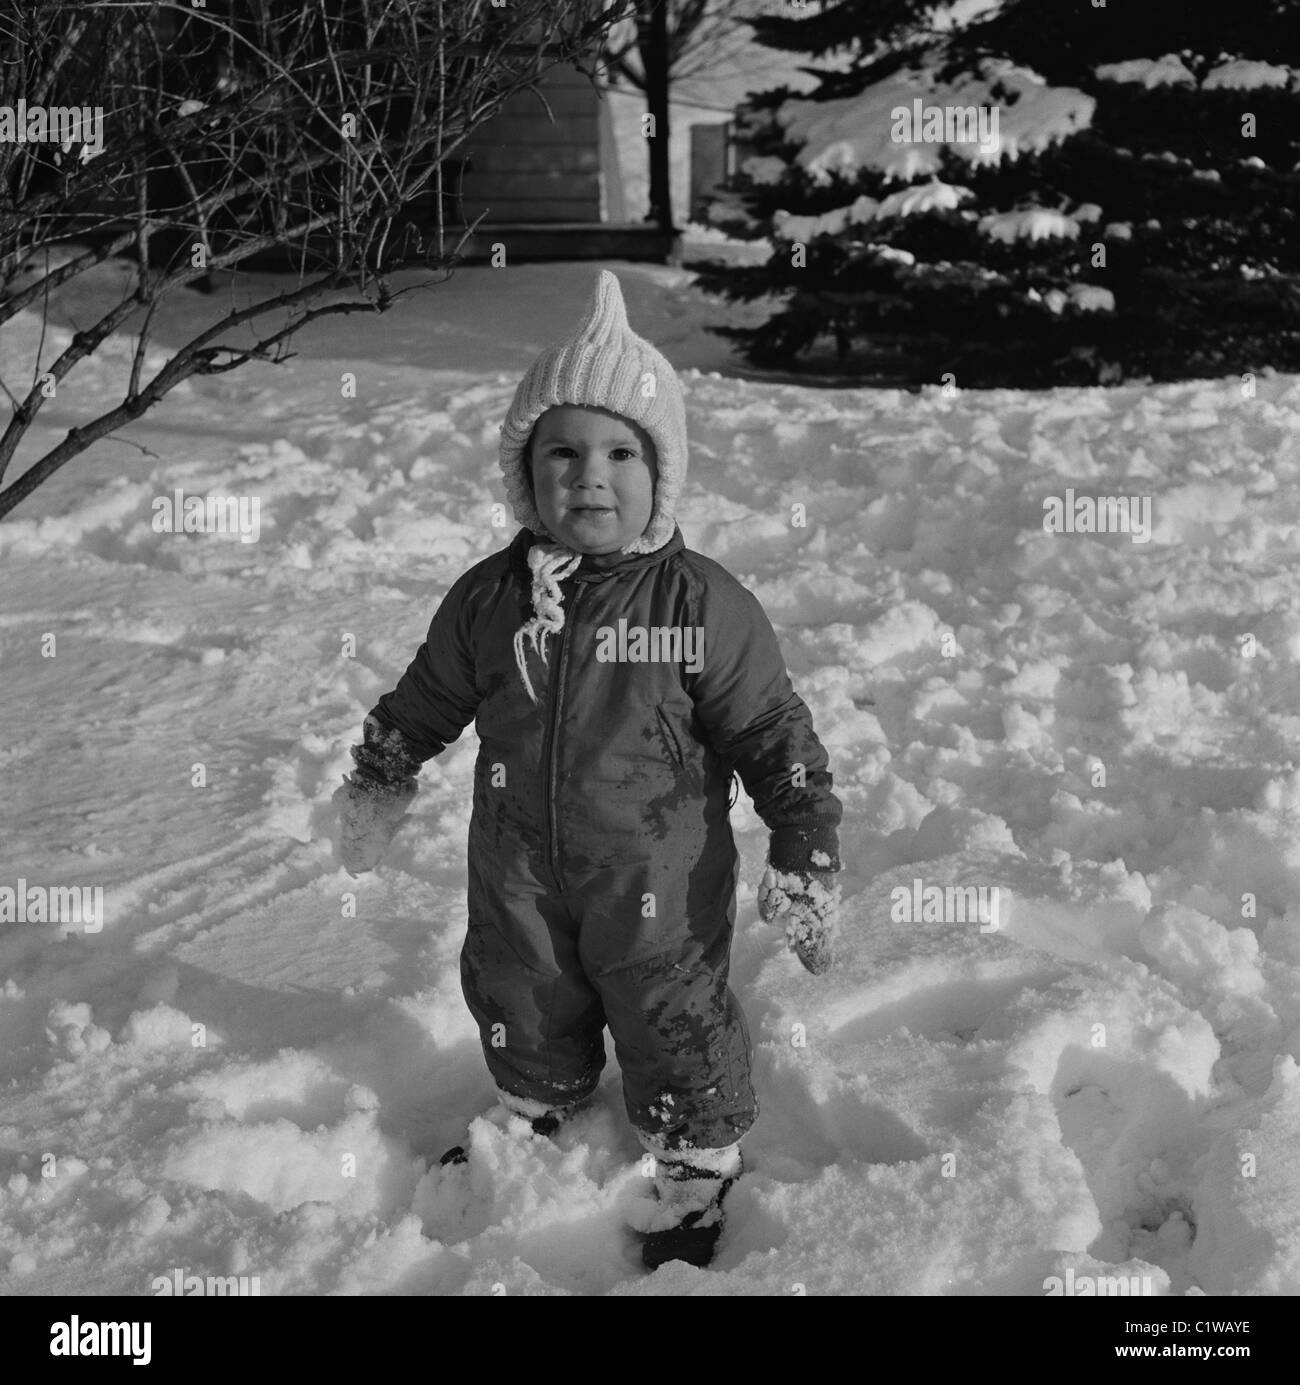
(926, 1002)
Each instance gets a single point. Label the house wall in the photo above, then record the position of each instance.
(592, 164)
(523, 167)
(633, 159)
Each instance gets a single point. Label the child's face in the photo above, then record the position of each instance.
(593, 475)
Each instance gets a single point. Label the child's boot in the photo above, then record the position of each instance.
(544, 1119)
(689, 1186)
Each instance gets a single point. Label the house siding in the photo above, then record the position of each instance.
(522, 167)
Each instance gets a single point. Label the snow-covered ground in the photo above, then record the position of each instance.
(234, 1075)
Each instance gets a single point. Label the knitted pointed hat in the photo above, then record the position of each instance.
(604, 364)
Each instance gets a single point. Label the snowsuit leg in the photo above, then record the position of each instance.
(540, 1020)
(679, 1033)
(683, 1047)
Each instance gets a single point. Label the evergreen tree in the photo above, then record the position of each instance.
(1140, 218)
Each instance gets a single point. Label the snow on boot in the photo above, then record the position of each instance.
(690, 1186)
(545, 1120)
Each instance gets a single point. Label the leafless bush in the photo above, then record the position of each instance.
(231, 130)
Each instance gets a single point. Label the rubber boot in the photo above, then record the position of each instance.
(545, 1120)
(689, 1186)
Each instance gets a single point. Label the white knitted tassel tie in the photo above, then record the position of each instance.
(551, 563)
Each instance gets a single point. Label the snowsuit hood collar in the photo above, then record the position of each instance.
(543, 566)
(592, 566)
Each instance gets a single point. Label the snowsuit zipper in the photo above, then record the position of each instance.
(552, 855)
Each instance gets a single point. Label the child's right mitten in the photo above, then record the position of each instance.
(808, 903)
(373, 801)
(369, 813)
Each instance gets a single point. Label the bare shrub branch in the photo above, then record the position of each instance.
(303, 128)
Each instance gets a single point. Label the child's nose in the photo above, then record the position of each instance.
(590, 466)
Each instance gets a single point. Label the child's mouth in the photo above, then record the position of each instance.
(590, 511)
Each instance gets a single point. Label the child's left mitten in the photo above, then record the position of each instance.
(808, 902)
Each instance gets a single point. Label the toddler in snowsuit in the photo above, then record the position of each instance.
(616, 680)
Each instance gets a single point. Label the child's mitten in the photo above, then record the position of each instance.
(373, 800)
(369, 812)
(809, 903)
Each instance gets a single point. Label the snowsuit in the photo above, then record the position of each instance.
(602, 867)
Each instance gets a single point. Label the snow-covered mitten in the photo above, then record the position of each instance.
(368, 816)
(808, 901)
(373, 801)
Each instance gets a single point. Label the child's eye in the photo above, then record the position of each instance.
(621, 454)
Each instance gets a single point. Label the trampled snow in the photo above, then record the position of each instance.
(247, 1069)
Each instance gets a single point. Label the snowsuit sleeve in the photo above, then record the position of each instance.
(759, 724)
(438, 695)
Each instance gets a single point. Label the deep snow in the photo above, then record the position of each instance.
(941, 1113)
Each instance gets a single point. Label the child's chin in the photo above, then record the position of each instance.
(592, 537)
(595, 549)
